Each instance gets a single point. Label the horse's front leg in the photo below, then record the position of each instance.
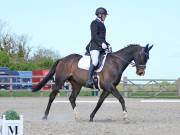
(72, 99)
(116, 94)
(100, 101)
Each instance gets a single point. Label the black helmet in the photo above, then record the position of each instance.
(101, 10)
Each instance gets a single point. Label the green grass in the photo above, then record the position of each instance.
(153, 94)
(28, 93)
(86, 92)
(22, 93)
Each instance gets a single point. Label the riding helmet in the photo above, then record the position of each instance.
(101, 10)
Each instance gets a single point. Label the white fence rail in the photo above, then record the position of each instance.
(129, 85)
(158, 86)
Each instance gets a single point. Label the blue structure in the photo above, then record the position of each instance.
(23, 79)
(5, 71)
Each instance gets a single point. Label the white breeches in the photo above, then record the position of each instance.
(94, 56)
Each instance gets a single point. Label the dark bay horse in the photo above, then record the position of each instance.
(110, 76)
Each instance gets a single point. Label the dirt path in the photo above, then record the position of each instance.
(144, 118)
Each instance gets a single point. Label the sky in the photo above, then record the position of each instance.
(64, 26)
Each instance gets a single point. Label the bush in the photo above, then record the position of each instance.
(11, 115)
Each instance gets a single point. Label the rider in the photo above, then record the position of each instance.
(98, 41)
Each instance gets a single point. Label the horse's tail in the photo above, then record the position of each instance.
(47, 78)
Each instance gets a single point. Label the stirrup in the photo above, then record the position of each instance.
(89, 83)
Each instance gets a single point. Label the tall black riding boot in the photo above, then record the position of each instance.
(89, 82)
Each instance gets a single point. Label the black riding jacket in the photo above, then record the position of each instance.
(98, 36)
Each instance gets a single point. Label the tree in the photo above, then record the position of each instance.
(4, 59)
(45, 53)
(44, 58)
(15, 53)
(23, 50)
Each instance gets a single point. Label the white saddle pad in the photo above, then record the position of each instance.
(84, 63)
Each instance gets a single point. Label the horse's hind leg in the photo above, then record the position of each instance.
(51, 99)
(75, 91)
(100, 101)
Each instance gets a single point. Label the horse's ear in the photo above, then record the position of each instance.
(150, 47)
(146, 47)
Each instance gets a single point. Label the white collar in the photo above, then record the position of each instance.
(100, 19)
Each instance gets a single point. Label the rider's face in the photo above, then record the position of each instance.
(102, 16)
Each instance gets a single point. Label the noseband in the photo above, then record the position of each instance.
(146, 54)
(140, 66)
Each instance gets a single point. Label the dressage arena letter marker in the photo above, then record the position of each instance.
(11, 127)
(12, 130)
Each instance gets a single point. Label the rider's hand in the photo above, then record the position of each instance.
(104, 46)
(110, 48)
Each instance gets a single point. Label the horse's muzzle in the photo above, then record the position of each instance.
(140, 71)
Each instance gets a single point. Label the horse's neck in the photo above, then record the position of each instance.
(126, 55)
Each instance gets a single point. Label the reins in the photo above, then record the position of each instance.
(131, 63)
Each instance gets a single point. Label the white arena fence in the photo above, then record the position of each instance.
(127, 87)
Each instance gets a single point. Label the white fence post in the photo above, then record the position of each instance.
(178, 86)
(11, 81)
(125, 86)
(11, 127)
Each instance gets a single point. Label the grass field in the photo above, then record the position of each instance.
(87, 92)
(27, 93)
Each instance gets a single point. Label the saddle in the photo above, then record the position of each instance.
(84, 63)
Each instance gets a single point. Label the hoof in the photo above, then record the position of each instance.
(77, 118)
(126, 120)
(44, 118)
(125, 115)
(76, 114)
(91, 120)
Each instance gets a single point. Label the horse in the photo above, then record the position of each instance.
(66, 69)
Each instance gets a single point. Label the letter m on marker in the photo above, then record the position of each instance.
(13, 131)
